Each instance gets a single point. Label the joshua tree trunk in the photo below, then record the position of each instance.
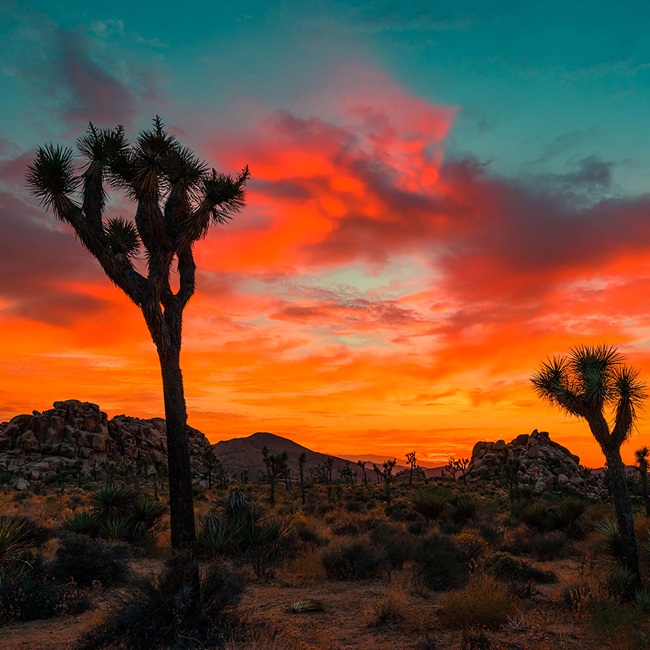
(623, 509)
(165, 328)
(646, 496)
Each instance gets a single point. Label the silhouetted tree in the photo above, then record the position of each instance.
(362, 465)
(456, 466)
(301, 468)
(641, 458)
(590, 383)
(276, 466)
(378, 473)
(176, 200)
(412, 463)
(387, 475)
(345, 473)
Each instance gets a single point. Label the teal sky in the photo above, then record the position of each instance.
(539, 87)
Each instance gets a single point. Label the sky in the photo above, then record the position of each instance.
(443, 195)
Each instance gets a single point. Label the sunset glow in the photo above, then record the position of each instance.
(386, 288)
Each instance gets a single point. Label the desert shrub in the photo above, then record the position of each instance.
(401, 510)
(350, 559)
(508, 568)
(85, 560)
(439, 561)
(33, 597)
(307, 534)
(616, 625)
(356, 506)
(344, 524)
(152, 612)
(394, 546)
(432, 505)
(472, 545)
(463, 508)
(550, 546)
(393, 608)
(483, 602)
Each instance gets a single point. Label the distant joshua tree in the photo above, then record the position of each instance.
(362, 465)
(456, 466)
(589, 383)
(641, 457)
(177, 198)
(301, 468)
(412, 463)
(387, 475)
(276, 467)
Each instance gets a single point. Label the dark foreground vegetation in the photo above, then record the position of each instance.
(444, 565)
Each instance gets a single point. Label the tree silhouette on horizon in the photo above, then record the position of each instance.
(592, 383)
(177, 198)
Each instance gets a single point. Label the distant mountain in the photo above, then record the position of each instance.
(240, 454)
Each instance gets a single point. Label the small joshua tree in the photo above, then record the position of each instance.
(362, 465)
(641, 457)
(276, 467)
(592, 382)
(412, 463)
(301, 468)
(387, 475)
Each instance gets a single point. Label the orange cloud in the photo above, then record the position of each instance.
(371, 298)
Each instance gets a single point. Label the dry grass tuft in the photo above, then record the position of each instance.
(484, 602)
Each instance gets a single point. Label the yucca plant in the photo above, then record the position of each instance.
(112, 499)
(433, 507)
(12, 550)
(82, 523)
(464, 507)
(610, 538)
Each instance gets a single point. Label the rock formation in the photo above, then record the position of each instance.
(538, 461)
(77, 434)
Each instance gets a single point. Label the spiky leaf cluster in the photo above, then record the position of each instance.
(592, 382)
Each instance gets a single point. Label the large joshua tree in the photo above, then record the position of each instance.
(176, 198)
(594, 384)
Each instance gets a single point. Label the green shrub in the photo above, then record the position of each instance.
(350, 559)
(550, 546)
(85, 560)
(152, 615)
(509, 568)
(440, 563)
(34, 597)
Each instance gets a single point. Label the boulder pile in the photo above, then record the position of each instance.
(77, 434)
(537, 461)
